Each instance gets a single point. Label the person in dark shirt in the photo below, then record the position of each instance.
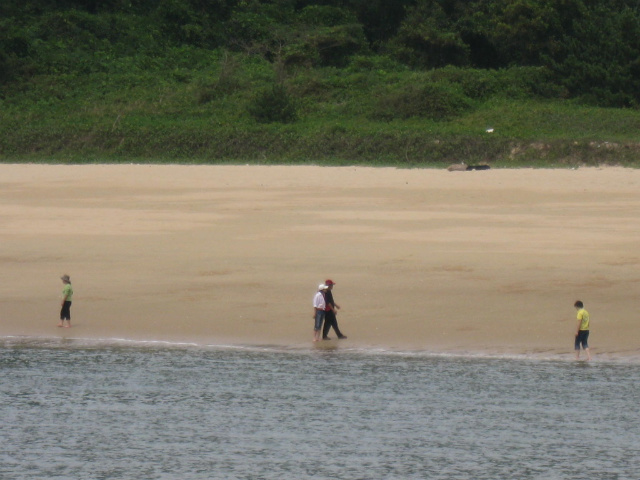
(331, 309)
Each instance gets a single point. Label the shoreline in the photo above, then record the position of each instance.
(424, 260)
(323, 348)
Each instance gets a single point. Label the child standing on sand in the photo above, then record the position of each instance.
(582, 334)
(67, 297)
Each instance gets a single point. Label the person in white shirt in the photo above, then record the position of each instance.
(318, 311)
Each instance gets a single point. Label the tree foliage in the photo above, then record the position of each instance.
(592, 47)
(427, 38)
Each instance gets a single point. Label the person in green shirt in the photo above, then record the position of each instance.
(67, 297)
(582, 334)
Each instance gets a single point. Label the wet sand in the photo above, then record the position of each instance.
(430, 260)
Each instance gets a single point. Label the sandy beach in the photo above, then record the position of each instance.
(430, 260)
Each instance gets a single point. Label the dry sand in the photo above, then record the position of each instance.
(476, 262)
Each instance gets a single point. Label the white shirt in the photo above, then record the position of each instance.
(318, 301)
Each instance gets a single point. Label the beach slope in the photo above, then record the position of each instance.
(430, 260)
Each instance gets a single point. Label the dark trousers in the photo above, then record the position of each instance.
(330, 320)
(65, 311)
(582, 339)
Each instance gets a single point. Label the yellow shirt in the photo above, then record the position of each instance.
(583, 316)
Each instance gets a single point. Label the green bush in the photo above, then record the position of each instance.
(325, 46)
(6, 69)
(378, 63)
(515, 82)
(273, 104)
(227, 82)
(435, 101)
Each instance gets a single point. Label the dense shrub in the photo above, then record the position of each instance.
(325, 46)
(273, 104)
(379, 63)
(516, 82)
(227, 82)
(435, 101)
(325, 15)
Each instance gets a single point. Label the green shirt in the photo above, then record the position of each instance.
(67, 292)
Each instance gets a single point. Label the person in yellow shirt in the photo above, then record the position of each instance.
(582, 334)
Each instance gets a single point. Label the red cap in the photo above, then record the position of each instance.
(329, 282)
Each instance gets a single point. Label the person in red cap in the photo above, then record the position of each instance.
(331, 309)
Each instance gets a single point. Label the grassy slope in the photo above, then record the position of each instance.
(199, 113)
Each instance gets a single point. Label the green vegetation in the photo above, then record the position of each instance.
(408, 83)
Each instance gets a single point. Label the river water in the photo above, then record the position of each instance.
(75, 409)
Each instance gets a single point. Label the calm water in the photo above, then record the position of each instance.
(71, 410)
